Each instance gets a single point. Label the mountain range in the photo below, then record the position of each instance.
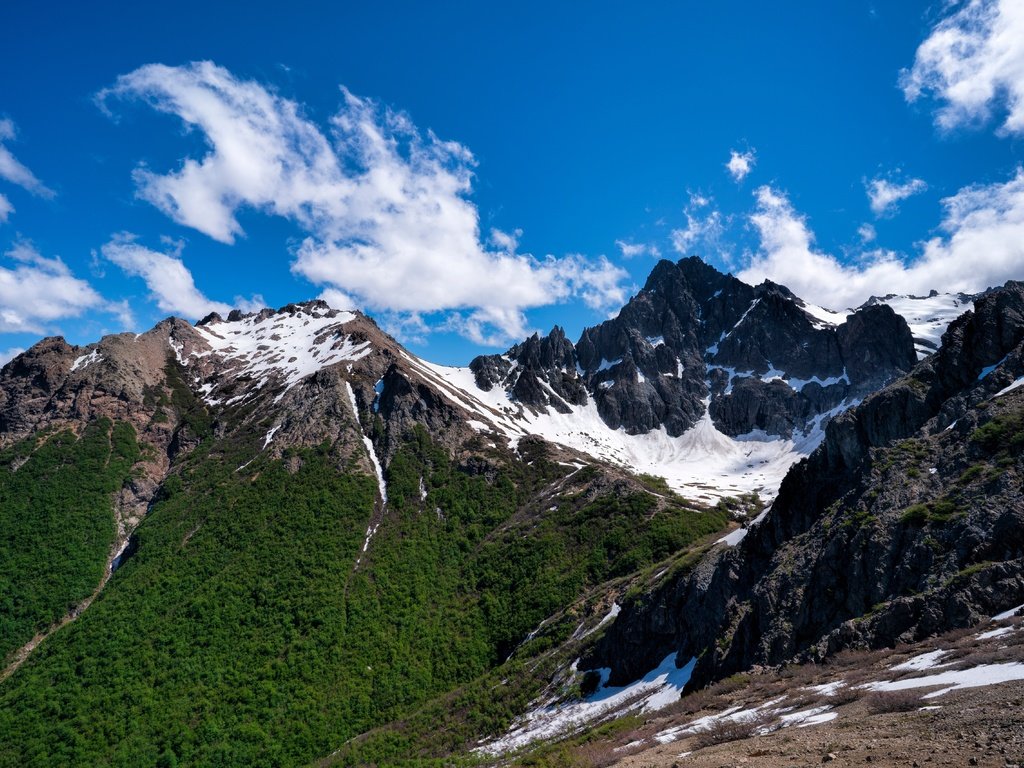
(278, 537)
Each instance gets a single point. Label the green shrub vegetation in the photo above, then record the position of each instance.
(57, 523)
(938, 511)
(1004, 433)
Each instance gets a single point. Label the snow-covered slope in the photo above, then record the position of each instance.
(927, 316)
(702, 463)
(285, 345)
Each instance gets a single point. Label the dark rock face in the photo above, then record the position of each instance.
(538, 371)
(694, 335)
(873, 343)
(908, 520)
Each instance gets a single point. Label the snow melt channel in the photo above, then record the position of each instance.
(381, 485)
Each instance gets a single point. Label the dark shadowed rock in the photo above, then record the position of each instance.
(687, 338)
(908, 520)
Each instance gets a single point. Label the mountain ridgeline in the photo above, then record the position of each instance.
(280, 537)
(763, 358)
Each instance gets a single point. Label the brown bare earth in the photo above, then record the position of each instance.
(981, 726)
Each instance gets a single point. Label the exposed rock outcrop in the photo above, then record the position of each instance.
(694, 336)
(908, 520)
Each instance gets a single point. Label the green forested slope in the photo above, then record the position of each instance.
(241, 632)
(57, 523)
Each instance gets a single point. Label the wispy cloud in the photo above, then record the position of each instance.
(12, 170)
(704, 230)
(39, 290)
(984, 227)
(385, 205)
(168, 279)
(632, 250)
(867, 233)
(885, 194)
(973, 62)
(740, 164)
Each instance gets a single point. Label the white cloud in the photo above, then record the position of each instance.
(338, 299)
(123, 311)
(385, 206)
(973, 61)
(703, 231)
(867, 232)
(740, 164)
(167, 278)
(984, 247)
(6, 355)
(6, 209)
(632, 250)
(507, 242)
(885, 195)
(13, 171)
(40, 290)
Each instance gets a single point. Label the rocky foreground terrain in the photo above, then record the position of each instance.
(809, 715)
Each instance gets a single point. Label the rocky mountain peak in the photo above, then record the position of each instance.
(677, 348)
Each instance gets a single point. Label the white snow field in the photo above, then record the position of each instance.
(293, 345)
(702, 463)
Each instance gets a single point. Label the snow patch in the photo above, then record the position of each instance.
(1018, 383)
(732, 714)
(734, 538)
(975, 677)
(86, 360)
(817, 718)
(379, 389)
(115, 561)
(927, 316)
(270, 435)
(1007, 614)
(988, 369)
(799, 384)
(992, 633)
(924, 661)
(827, 689)
(658, 688)
(608, 617)
(823, 318)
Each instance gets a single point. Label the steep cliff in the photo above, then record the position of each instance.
(908, 520)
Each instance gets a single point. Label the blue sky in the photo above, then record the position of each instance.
(468, 173)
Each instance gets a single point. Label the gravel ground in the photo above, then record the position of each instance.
(980, 726)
